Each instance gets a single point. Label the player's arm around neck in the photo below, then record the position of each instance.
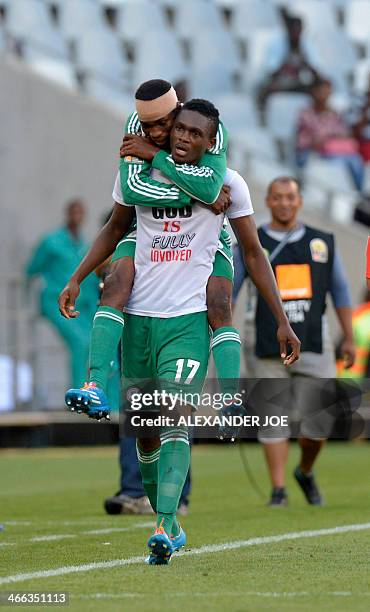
(102, 247)
(261, 273)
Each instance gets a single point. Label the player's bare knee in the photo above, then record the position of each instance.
(148, 445)
(118, 284)
(219, 310)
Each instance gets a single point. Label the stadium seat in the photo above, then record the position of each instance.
(237, 111)
(264, 171)
(80, 16)
(29, 22)
(154, 60)
(256, 141)
(102, 56)
(250, 16)
(58, 71)
(357, 20)
(329, 174)
(337, 55)
(194, 18)
(210, 76)
(316, 14)
(362, 75)
(282, 112)
(110, 97)
(255, 68)
(217, 46)
(137, 18)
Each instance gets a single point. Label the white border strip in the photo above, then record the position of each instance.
(213, 548)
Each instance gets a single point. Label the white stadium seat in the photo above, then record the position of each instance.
(282, 112)
(159, 58)
(217, 46)
(264, 171)
(250, 16)
(58, 71)
(197, 17)
(329, 174)
(255, 68)
(357, 20)
(138, 18)
(362, 75)
(103, 56)
(316, 15)
(80, 16)
(29, 21)
(336, 53)
(111, 97)
(257, 141)
(237, 111)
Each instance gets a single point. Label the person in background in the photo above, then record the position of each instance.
(53, 259)
(321, 130)
(307, 268)
(290, 61)
(359, 118)
(361, 333)
(368, 263)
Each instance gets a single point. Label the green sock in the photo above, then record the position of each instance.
(105, 336)
(148, 463)
(173, 466)
(226, 354)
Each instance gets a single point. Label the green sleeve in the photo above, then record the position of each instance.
(38, 260)
(138, 187)
(203, 181)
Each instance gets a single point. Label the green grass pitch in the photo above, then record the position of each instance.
(51, 506)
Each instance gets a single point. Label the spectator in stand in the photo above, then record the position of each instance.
(359, 118)
(323, 131)
(290, 62)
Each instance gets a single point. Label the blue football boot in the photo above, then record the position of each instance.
(160, 547)
(178, 541)
(90, 399)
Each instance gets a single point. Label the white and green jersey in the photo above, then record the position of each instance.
(175, 251)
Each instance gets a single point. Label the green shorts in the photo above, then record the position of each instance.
(171, 352)
(222, 265)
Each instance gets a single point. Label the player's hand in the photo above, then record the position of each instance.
(348, 353)
(290, 345)
(67, 300)
(138, 146)
(223, 201)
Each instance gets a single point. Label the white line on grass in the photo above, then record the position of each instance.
(54, 537)
(213, 548)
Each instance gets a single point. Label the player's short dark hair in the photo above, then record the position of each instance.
(153, 89)
(284, 179)
(207, 109)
